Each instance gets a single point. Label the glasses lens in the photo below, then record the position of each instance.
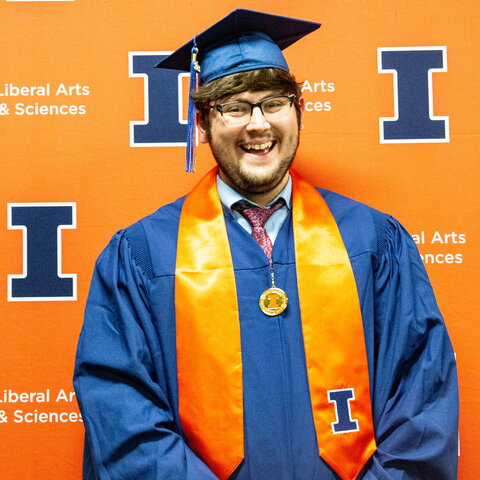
(236, 112)
(276, 105)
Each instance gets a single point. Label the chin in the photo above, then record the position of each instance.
(260, 180)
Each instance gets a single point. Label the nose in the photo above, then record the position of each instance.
(257, 120)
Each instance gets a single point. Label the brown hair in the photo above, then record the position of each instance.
(250, 81)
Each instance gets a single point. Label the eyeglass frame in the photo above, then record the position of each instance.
(219, 107)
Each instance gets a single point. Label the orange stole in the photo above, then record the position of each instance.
(332, 323)
(209, 362)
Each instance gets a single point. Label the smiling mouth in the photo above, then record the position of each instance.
(258, 148)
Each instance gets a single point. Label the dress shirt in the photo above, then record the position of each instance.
(229, 196)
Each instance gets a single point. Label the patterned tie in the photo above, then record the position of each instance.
(257, 218)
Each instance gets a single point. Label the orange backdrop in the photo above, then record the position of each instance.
(84, 158)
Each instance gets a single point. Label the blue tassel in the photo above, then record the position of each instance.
(194, 68)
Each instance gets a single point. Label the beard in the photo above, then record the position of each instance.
(254, 180)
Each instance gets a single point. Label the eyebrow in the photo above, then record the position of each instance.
(241, 99)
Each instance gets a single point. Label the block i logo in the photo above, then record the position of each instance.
(163, 124)
(413, 120)
(42, 277)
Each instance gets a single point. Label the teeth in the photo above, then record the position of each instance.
(261, 146)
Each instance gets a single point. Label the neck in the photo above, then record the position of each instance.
(261, 199)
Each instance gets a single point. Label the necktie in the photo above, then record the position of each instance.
(257, 217)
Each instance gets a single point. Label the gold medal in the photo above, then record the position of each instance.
(273, 301)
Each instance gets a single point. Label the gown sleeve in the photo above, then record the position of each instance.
(415, 393)
(129, 423)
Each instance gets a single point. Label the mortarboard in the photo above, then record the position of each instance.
(243, 40)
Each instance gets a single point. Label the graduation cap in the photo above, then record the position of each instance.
(243, 40)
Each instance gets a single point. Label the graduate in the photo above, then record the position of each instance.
(261, 328)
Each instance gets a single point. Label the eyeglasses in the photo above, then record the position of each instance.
(239, 112)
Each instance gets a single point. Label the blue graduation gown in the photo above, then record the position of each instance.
(125, 374)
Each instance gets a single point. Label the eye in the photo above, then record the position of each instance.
(236, 109)
(274, 104)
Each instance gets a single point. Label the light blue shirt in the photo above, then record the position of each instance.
(229, 196)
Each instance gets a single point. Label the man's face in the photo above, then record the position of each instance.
(253, 158)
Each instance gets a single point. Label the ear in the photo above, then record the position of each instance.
(301, 103)
(202, 131)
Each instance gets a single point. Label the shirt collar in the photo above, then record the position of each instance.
(229, 196)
